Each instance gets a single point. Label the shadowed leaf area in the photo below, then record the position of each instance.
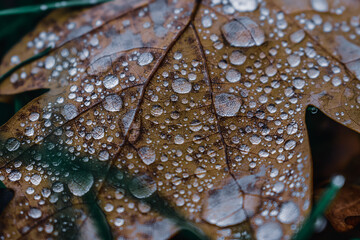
(173, 119)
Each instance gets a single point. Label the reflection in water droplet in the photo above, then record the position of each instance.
(80, 183)
(147, 155)
(145, 59)
(297, 36)
(289, 212)
(244, 5)
(12, 144)
(320, 5)
(112, 103)
(298, 83)
(69, 111)
(290, 144)
(181, 85)
(35, 213)
(110, 81)
(269, 231)
(14, 176)
(142, 186)
(206, 21)
(243, 32)
(227, 105)
(98, 132)
(233, 75)
(237, 58)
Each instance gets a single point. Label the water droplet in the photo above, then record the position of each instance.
(227, 105)
(34, 117)
(244, 5)
(290, 144)
(57, 187)
(142, 186)
(145, 59)
(233, 75)
(206, 21)
(237, 58)
(110, 81)
(255, 139)
(293, 60)
(80, 183)
(12, 144)
(50, 62)
(289, 212)
(147, 155)
(292, 128)
(104, 155)
(298, 83)
(98, 132)
(269, 231)
(112, 103)
(320, 5)
(156, 110)
(223, 207)
(313, 73)
(243, 32)
(297, 36)
(178, 139)
(14, 176)
(35, 179)
(69, 111)
(35, 213)
(181, 85)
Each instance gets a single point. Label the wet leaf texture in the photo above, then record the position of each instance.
(202, 103)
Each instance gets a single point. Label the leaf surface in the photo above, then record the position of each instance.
(202, 103)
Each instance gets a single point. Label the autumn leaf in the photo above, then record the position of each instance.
(168, 115)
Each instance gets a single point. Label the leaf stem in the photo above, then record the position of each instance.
(49, 6)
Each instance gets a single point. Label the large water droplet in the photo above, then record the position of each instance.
(110, 81)
(298, 83)
(98, 132)
(12, 144)
(145, 59)
(147, 155)
(223, 207)
(289, 212)
(142, 186)
(181, 85)
(14, 176)
(80, 183)
(69, 111)
(50, 62)
(112, 103)
(244, 5)
(35, 213)
(243, 32)
(269, 231)
(290, 144)
(227, 105)
(233, 75)
(297, 36)
(320, 5)
(237, 58)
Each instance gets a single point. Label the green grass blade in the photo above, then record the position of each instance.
(49, 6)
(2, 185)
(37, 56)
(307, 228)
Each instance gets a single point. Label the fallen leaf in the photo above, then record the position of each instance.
(163, 95)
